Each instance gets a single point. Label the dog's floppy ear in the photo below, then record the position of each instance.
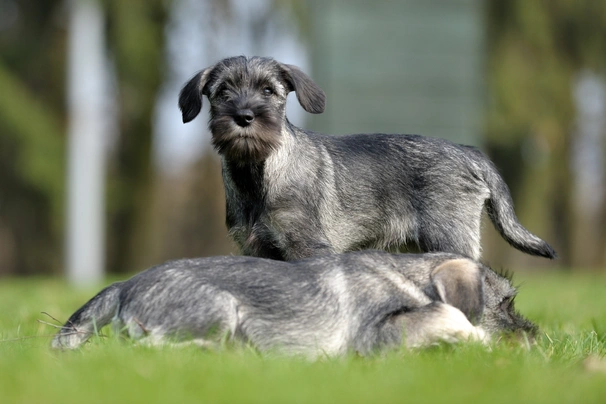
(310, 96)
(459, 283)
(190, 97)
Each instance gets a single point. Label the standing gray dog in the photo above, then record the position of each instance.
(357, 302)
(292, 193)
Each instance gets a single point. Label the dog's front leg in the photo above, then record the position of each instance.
(264, 240)
(299, 235)
(298, 246)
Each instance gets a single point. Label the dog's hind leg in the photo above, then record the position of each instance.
(89, 319)
(450, 237)
(300, 235)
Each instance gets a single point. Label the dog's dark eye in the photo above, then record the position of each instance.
(267, 91)
(223, 94)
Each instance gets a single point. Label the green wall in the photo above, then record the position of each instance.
(410, 66)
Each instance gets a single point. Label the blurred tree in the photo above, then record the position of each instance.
(136, 37)
(90, 122)
(535, 50)
(189, 213)
(32, 123)
(31, 136)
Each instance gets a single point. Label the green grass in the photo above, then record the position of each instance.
(568, 363)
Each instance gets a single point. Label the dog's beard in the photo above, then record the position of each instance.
(250, 144)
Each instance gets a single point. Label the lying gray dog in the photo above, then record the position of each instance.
(292, 194)
(358, 302)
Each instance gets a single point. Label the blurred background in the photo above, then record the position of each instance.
(99, 175)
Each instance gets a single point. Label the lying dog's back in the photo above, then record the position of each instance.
(352, 302)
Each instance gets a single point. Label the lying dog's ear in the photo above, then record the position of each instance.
(190, 97)
(310, 96)
(459, 282)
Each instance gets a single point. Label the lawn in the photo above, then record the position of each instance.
(568, 364)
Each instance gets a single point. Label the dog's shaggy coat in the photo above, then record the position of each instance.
(357, 302)
(292, 193)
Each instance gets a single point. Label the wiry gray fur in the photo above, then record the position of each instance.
(292, 193)
(357, 302)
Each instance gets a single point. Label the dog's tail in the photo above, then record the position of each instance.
(500, 210)
(89, 319)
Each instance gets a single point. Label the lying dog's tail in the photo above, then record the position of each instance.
(89, 319)
(500, 210)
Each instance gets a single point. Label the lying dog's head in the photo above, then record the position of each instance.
(500, 315)
(247, 99)
(481, 301)
(484, 296)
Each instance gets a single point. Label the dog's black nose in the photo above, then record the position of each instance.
(244, 117)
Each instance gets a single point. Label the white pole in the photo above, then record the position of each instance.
(87, 84)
